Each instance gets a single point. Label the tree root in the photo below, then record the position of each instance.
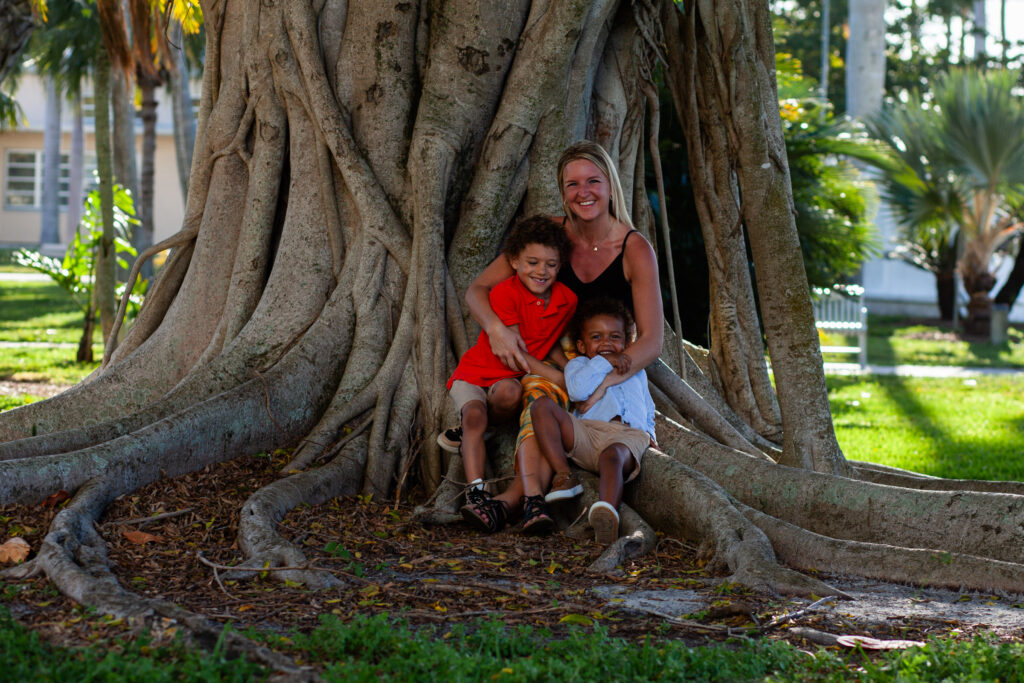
(636, 536)
(808, 551)
(73, 556)
(891, 476)
(701, 413)
(983, 524)
(261, 513)
(682, 502)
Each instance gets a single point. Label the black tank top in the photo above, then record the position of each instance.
(611, 282)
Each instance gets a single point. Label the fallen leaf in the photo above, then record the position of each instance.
(56, 499)
(14, 550)
(576, 619)
(141, 537)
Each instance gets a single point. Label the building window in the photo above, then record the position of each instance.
(23, 173)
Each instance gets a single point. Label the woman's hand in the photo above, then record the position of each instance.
(621, 363)
(509, 347)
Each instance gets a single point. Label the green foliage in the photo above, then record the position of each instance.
(950, 427)
(954, 163)
(9, 112)
(833, 204)
(380, 648)
(75, 273)
(26, 657)
(797, 30)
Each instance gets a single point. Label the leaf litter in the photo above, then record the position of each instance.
(425, 575)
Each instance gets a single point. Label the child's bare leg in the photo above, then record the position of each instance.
(504, 400)
(474, 423)
(534, 470)
(553, 430)
(613, 466)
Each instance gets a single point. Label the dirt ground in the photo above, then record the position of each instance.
(437, 575)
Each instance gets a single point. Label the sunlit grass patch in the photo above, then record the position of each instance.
(42, 364)
(38, 312)
(960, 428)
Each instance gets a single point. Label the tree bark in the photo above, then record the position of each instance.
(356, 164)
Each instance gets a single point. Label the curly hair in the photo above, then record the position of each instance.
(601, 305)
(537, 230)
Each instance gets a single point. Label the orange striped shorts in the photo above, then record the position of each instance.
(534, 387)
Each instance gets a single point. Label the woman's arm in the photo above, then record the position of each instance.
(506, 344)
(640, 266)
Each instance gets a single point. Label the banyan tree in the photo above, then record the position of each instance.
(357, 164)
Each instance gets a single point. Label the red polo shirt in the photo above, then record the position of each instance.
(540, 327)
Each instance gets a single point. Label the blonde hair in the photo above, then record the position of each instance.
(595, 154)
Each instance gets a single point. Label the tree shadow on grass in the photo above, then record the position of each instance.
(944, 450)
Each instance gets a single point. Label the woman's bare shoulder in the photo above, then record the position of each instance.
(638, 255)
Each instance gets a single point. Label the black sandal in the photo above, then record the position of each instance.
(484, 512)
(536, 516)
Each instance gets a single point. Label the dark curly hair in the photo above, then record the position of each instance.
(601, 305)
(537, 230)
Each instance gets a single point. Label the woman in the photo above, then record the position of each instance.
(609, 258)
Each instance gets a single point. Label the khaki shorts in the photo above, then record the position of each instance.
(462, 392)
(591, 437)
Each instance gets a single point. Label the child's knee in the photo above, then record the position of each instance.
(616, 456)
(474, 415)
(542, 407)
(506, 395)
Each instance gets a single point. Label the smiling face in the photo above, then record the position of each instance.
(585, 190)
(536, 266)
(602, 334)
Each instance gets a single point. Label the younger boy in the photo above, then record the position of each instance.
(483, 387)
(614, 420)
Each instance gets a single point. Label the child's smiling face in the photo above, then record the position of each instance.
(536, 266)
(603, 335)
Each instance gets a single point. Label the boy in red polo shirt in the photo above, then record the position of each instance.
(482, 387)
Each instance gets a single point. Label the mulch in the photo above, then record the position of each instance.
(425, 575)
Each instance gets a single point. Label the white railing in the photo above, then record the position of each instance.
(841, 309)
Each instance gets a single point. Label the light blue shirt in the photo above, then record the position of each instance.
(629, 400)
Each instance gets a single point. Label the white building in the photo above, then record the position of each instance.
(893, 287)
(21, 177)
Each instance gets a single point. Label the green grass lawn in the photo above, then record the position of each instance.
(960, 428)
(41, 312)
(899, 341)
(382, 648)
(38, 312)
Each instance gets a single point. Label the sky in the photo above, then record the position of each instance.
(1014, 27)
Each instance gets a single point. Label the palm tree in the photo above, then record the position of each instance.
(956, 160)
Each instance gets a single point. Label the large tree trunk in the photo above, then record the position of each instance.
(356, 164)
